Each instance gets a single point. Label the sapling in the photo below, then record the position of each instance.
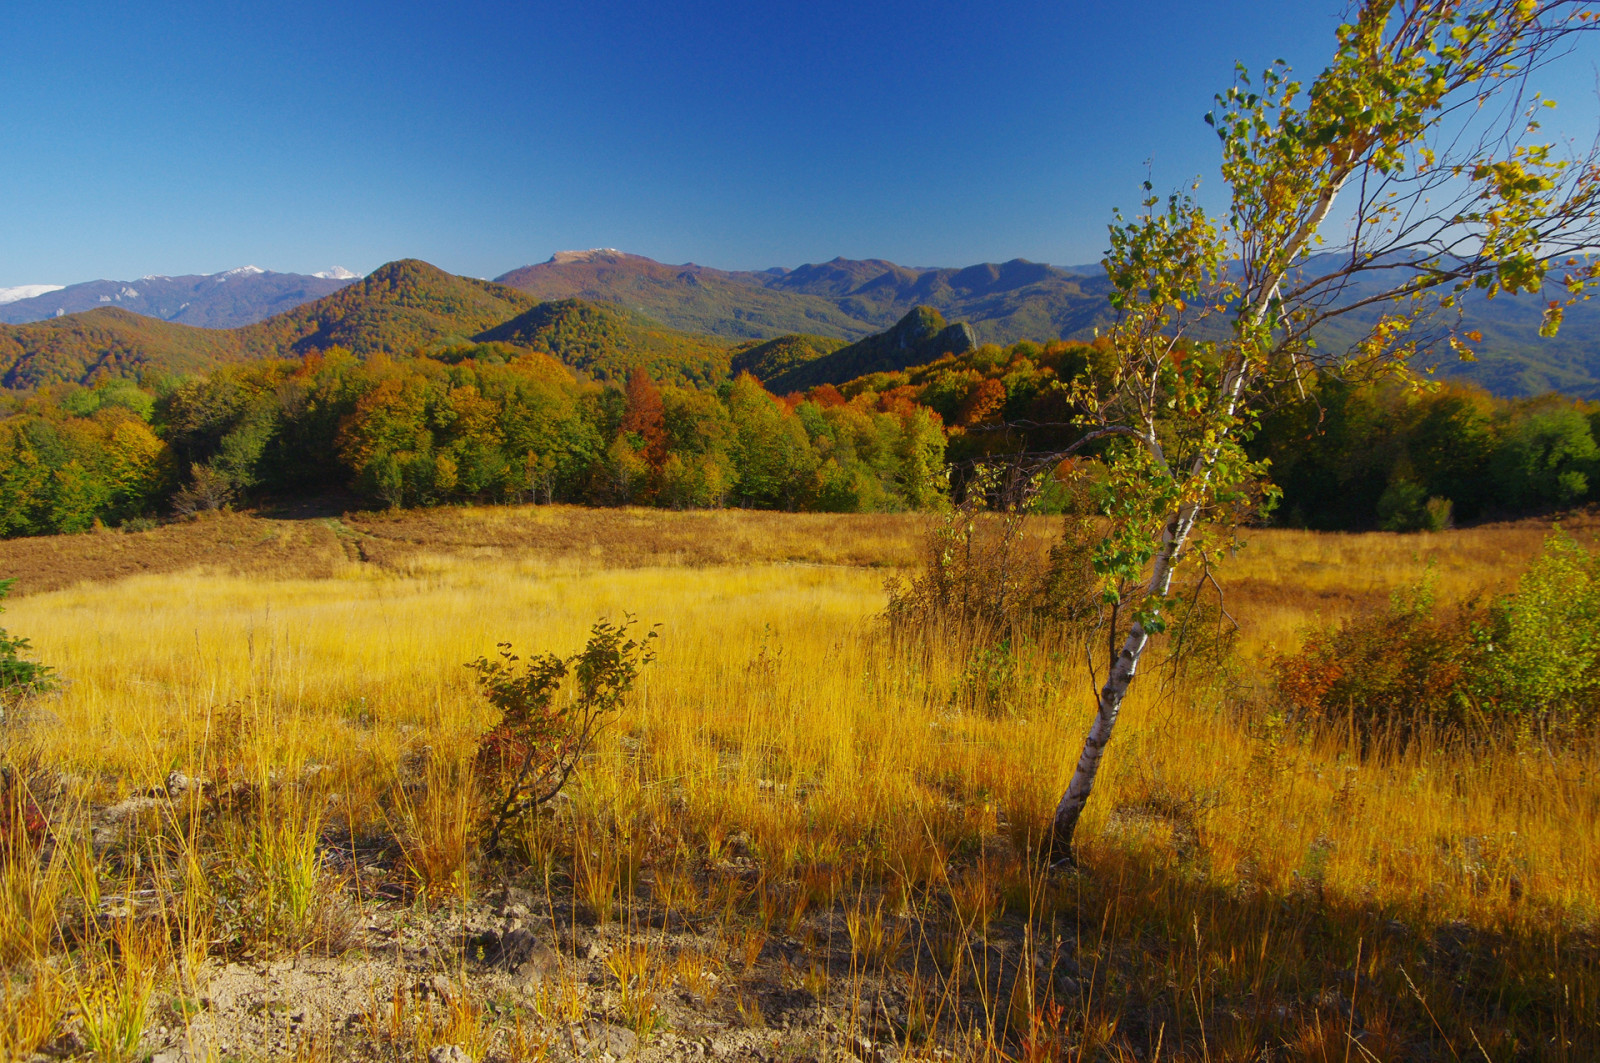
(526, 758)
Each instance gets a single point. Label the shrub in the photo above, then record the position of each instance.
(1538, 663)
(986, 591)
(982, 582)
(1387, 674)
(1403, 507)
(1526, 665)
(526, 758)
(18, 676)
(978, 579)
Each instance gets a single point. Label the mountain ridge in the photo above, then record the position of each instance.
(229, 299)
(792, 321)
(849, 299)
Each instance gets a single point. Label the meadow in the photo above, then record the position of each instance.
(796, 841)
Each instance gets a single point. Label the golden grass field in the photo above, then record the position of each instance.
(781, 776)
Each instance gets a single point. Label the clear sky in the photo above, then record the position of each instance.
(194, 137)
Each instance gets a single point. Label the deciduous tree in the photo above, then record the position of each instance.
(1406, 176)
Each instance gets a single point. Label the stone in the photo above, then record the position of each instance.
(597, 1038)
(518, 950)
(448, 1054)
(516, 901)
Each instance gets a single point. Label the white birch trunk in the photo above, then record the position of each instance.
(1112, 694)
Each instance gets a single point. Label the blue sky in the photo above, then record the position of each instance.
(190, 138)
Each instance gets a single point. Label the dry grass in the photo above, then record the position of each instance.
(1283, 580)
(781, 777)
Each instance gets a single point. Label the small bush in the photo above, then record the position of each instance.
(1403, 507)
(526, 758)
(1387, 674)
(1538, 657)
(983, 583)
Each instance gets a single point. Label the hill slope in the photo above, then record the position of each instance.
(1004, 302)
(916, 339)
(108, 342)
(608, 342)
(773, 358)
(398, 307)
(231, 299)
(845, 298)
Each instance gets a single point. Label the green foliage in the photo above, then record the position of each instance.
(527, 757)
(1548, 457)
(1405, 506)
(1540, 652)
(18, 676)
(1350, 457)
(773, 358)
(608, 343)
(62, 473)
(1525, 665)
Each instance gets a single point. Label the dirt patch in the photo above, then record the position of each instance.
(234, 543)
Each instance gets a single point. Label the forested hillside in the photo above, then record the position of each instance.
(916, 339)
(607, 342)
(682, 323)
(399, 307)
(844, 298)
(417, 387)
(690, 297)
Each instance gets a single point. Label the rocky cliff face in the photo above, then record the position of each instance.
(919, 337)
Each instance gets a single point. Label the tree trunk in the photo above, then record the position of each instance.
(1109, 705)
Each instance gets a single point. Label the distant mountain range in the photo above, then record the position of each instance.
(603, 311)
(1004, 302)
(400, 308)
(230, 299)
(844, 298)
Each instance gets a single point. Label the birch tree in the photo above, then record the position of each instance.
(1408, 176)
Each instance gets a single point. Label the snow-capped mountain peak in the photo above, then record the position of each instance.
(242, 271)
(27, 291)
(337, 273)
(562, 257)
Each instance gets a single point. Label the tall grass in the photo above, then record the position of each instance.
(1245, 887)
